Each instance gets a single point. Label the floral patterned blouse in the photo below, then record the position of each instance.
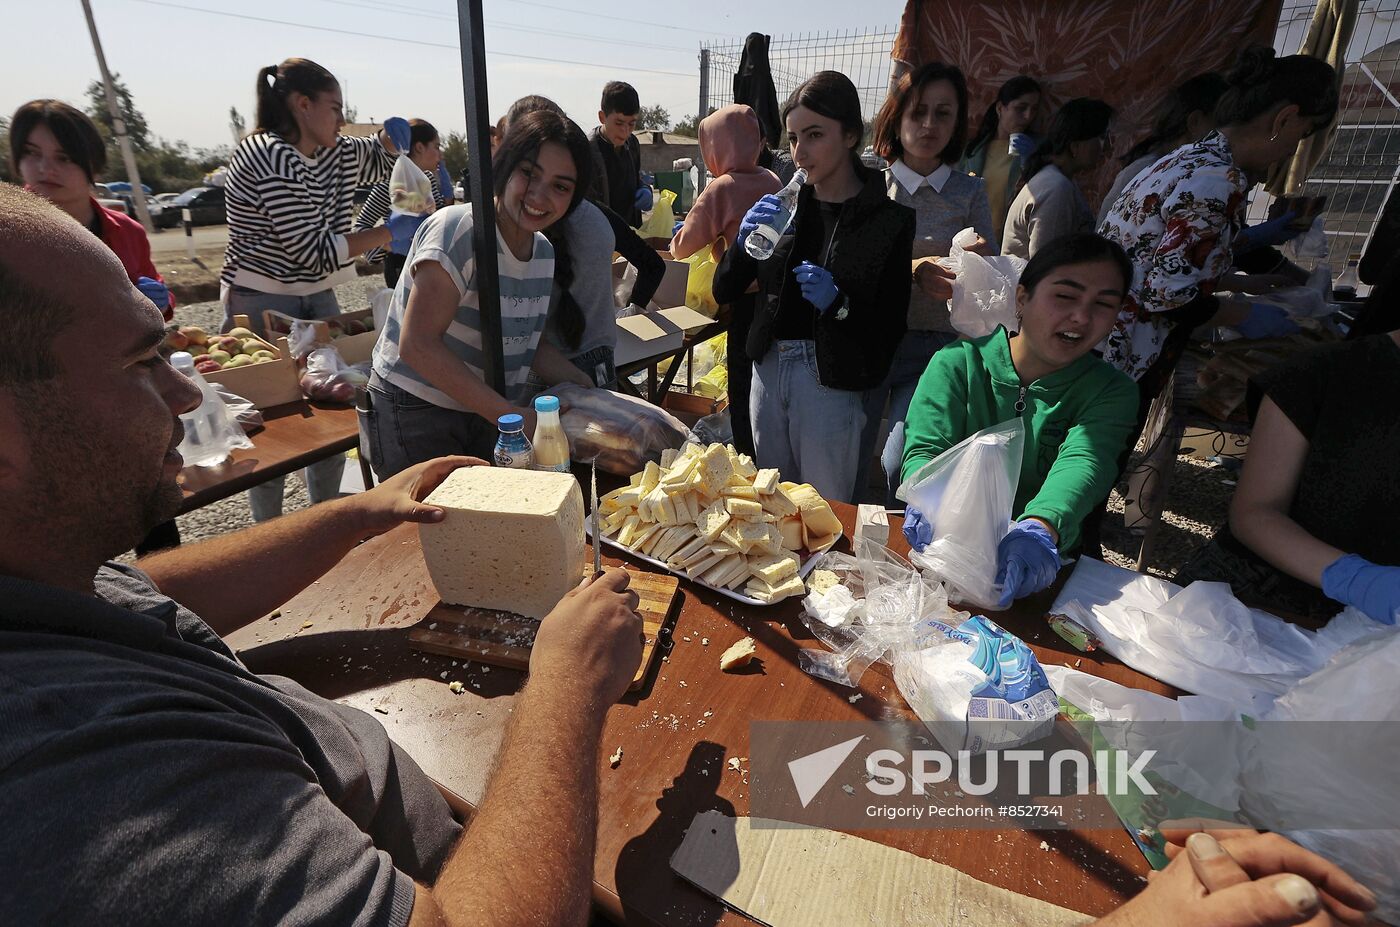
(1176, 221)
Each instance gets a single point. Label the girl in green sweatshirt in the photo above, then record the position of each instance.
(1079, 411)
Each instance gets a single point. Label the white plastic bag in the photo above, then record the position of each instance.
(410, 190)
(1310, 249)
(984, 288)
(1307, 301)
(967, 494)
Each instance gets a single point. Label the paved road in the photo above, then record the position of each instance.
(172, 241)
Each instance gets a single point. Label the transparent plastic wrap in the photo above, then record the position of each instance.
(622, 432)
(984, 288)
(1311, 249)
(329, 379)
(243, 411)
(967, 494)
(410, 190)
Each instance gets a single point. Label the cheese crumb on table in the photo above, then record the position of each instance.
(616, 759)
(738, 655)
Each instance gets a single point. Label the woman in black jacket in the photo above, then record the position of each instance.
(832, 296)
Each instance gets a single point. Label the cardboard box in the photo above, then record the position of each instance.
(671, 292)
(652, 333)
(264, 385)
(354, 349)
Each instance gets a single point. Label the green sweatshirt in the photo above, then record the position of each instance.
(1078, 420)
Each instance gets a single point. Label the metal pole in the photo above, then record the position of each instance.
(473, 45)
(119, 126)
(700, 112)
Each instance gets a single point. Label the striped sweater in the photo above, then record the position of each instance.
(288, 214)
(376, 209)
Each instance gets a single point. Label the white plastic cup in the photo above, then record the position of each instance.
(1013, 143)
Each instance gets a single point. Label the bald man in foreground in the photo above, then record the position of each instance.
(147, 777)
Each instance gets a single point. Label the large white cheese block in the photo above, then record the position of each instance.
(512, 539)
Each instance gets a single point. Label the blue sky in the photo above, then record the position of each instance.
(186, 68)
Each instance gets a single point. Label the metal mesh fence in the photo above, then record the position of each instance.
(863, 55)
(1362, 164)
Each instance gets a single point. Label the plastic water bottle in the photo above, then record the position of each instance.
(764, 239)
(205, 427)
(513, 449)
(551, 445)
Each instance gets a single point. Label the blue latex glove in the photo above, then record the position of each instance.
(918, 530)
(396, 127)
(643, 198)
(1027, 561)
(1354, 580)
(444, 181)
(155, 291)
(676, 229)
(1274, 232)
(402, 227)
(1265, 321)
(818, 287)
(759, 214)
(1023, 146)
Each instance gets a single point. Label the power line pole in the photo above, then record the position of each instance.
(138, 196)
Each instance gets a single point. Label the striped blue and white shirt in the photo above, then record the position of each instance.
(446, 237)
(377, 207)
(288, 213)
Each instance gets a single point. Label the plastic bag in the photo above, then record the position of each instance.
(622, 292)
(700, 280)
(622, 432)
(984, 288)
(1308, 301)
(714, 429)
(410, 190)
(329, 379)
(1310, 249)
(967, 494)
(662, 218)
(976, 687)
(243, 411)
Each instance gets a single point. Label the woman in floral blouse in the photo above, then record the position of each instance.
(1180, 221)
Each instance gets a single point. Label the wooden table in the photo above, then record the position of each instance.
(296, 434)
(356, 651)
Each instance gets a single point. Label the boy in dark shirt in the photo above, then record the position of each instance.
(617, 183)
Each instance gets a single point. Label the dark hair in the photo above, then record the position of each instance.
(530, 103)
(620, 97)
(906, 92)
(31, 315)
(1014, 89)
(1197, 95)
(1259, 81)
(77, 135)
(420, 132)
(275, 83)
(830, 94)
(1077, 121)
(526, 131)
(1076, 248)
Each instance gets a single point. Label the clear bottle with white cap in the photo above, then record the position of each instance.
(206, 426)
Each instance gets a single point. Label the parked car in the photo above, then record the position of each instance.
(108, 200)
(206, 206)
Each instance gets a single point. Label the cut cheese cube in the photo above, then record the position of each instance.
(742, 507)
(643, 536)
(752, 535)
(510, 539)
(778, 503)
(791, 586)
(686, 553)
(739, 654)
(712, 521)
(668, 457)
(766, 482)
(774, 569)
(714, 469)
(744, 466)
(791, 530)
(630, 527)
(650, 477)
(739, 492)
(634, 480)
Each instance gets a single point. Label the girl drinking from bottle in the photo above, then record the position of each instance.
(428, 395)
(832, 297)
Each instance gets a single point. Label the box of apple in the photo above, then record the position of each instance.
(238, 347)
(352, 333)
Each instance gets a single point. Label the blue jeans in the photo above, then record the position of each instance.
(910, 361)
(809, 432)
(401, 430)
(322, 478)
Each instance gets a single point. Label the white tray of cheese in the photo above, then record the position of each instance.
(709, 515)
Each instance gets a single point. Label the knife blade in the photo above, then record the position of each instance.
(597, 540)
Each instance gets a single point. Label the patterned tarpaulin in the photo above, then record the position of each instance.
(1126, 52)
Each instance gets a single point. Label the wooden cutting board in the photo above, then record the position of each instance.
(504, 638)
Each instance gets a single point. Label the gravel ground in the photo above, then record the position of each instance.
(1199, 496)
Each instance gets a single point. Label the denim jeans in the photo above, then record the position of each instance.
(809, 432)
(401, 430)
(910, 361)
(322, 478)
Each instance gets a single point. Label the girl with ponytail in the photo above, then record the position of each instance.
(998, 152)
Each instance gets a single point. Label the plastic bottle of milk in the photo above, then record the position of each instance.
(512, 447)
(205, 427)
(551, 445)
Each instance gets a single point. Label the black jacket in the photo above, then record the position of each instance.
(616, 176)
(869, 259)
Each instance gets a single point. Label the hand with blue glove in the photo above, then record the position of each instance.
(397, 131)
(445, 183)
(1023, 146)
(676, 229)
(1274, 232)
(1027, 561)
(918, 530)
(1374, 589)
(643, 199)
(1265, 321)
(760, 213)
(818, 287)
(155, 291)
(402, 227)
